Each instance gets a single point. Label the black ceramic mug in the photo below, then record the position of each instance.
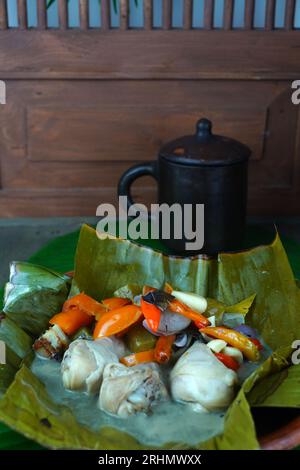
(201, 169)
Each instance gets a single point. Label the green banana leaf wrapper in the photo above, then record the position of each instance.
(33, 294)
(102, 267)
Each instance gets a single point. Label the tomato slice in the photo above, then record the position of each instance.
(115, 302)
(71, 320)
(117, 320)
(85, 303)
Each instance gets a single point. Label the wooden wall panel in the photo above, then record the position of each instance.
(74, 121)
(115, 54)
(129, 132)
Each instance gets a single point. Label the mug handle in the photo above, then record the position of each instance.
(126, 180)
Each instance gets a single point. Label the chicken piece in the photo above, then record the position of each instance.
(52, 343)
(83, 363)
(200, 378)
(126, 391)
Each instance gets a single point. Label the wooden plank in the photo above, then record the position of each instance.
(188, 14)
(124, 14)
(42, 14)
(148, 14)
(3, 15)
(228, 14)
(249, 14)
(167, 14)
(64, 203)
(270, 15)
(209, 14)
(289, 14)
(83, 202)
(105, 15)
(63, 14)
(83, 174)
(56, 54)
(22, 14)
(84, 14)
(280, 139)
(66, 134)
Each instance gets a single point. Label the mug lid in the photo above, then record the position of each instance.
(205, 148)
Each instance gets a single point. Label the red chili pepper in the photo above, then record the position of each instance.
(257, 343)
(163, 348)
(228, 361)
(152, 314)
(138, 358)
(235, 339)
(179, 307)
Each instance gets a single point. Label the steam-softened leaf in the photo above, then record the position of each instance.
(128, 292)
(28, 274)
(265, 271)
(16, 338)
(7, 375)
(32, 307)
(33, 295)
(279, 389)
(242, 307)
(219, 309)
(103, 266)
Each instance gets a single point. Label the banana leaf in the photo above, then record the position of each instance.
(266, 272)
(7, 375)
(33, 295)
(281, 387)
(14, 337)
(111, 263)
(27, 274)
(103, 266)
(9, 369)
(236, 313)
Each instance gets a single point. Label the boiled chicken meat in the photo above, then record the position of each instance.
(200, 378)
(83, 363)
(128, 390)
